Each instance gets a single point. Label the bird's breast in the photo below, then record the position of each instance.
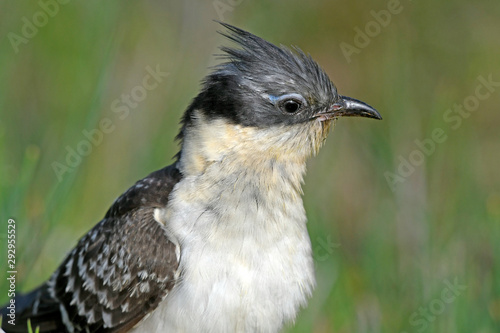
(246, 260)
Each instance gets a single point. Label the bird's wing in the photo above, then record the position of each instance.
(118, 272)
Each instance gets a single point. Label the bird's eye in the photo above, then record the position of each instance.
(291, 105)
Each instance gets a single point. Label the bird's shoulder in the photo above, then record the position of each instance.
(151, 191)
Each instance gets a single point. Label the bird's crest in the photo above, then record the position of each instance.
(259, 59)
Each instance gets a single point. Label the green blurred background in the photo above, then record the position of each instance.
(385, 254)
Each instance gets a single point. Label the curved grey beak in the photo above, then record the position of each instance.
(350, 107)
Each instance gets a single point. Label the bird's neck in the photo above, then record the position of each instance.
(232, 185)
(258, 157)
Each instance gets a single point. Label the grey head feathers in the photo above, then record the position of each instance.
(260, 84)
(277, 69)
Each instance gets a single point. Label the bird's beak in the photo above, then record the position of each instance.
(349, 107)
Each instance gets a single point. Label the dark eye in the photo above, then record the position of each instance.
(290, 105)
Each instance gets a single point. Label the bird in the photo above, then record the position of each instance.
(217, 241)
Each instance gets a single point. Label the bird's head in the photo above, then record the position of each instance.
(268, 101)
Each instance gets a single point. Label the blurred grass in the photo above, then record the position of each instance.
(396, 248)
